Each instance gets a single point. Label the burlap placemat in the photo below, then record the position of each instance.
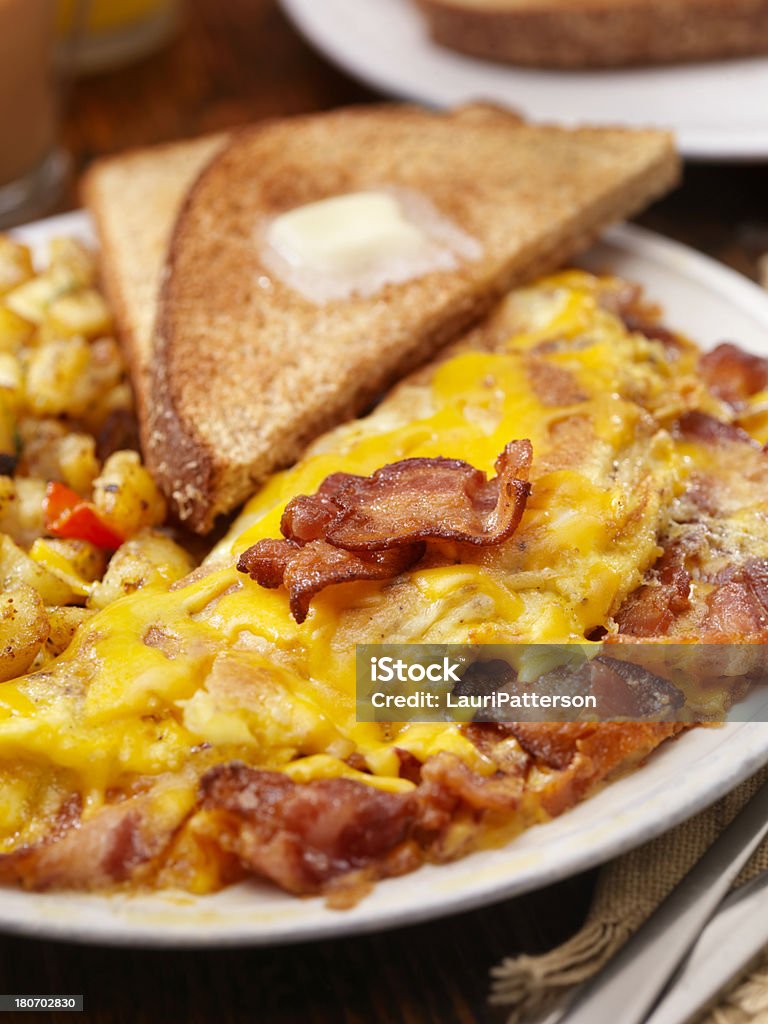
(627, 890)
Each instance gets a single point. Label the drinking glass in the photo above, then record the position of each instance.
(33, 167)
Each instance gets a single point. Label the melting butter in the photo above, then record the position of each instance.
(355, 244)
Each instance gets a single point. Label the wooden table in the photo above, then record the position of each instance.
(238, 60)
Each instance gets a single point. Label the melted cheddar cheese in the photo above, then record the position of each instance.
(162, 684)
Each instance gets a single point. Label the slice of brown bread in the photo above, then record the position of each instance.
(599, 33)
(134, 199)
(246, 371)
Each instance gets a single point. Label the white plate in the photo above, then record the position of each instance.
(719, 109)
(684, 776)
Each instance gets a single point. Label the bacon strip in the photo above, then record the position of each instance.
(626, 301)
(738, 606)
(122, 842)
(303, 836)
(305, 571)
(700, 426)
(433, 499)
(309, 516)
(374, 528)
(654, 607)
(649, 328)
(580, 755)
(732, 374)
(711, 582)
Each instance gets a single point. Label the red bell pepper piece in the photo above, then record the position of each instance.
(69, 515)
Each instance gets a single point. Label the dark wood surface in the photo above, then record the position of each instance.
(235, 61)
(427, 974)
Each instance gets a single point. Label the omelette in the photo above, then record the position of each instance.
(201, 732)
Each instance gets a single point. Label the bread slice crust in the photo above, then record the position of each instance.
(246, 372)
(599, 33)
(134, 199)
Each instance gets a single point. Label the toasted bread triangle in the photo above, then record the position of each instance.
(243, 376)
(599, 33)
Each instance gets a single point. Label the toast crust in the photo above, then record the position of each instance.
(133, 199)
(245, 372)
(599, 33)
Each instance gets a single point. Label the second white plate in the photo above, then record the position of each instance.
(718, 109)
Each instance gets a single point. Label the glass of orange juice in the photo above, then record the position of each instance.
(32, 166)
(110, 33)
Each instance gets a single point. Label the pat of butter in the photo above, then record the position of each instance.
(341, 233)
(355, 244)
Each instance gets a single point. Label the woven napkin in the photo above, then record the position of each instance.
(627, 890)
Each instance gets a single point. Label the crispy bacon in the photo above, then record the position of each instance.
(732, 374)
(711, 582)
(626, 301)
(374, 528)
(626, 689)
(123, 841)
(650, 328)
(712, 431)
(303, 836)
(433, 499)
(738, 606)
(653, 608)
(580, 755)
(308, 516)
(449, 786)
(305, 571)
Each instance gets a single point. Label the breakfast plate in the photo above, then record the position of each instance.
(713, 107)
(710, 303)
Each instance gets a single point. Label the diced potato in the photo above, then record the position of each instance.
(82, 312)
(149, 558)
(11, 378)
(127, 495)
(62, 381)
(21, 508)
(23, 629)
(58, 378)
(32, 299)
(72, 377)
(15, 264)
(14, 330)
(86, 560)
(49, 452)
(108, 366)
(71, 255)
(57, 563)
(17, 567)
(40, 440)
(77, 458)
(63, 624)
